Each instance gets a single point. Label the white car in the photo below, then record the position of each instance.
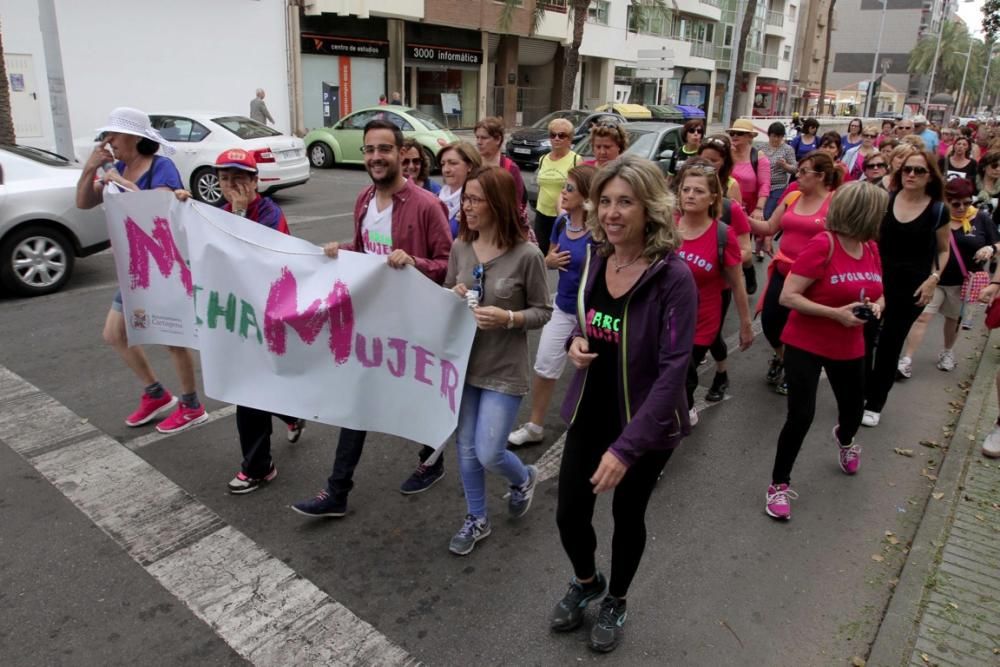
(42, 232)
(200, 137)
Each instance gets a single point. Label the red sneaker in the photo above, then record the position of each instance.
(182, 419)
(151, 408)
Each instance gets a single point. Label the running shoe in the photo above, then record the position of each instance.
(568, 614)
(905, 367)
(607, 631)
(527, 434)
(870, 418)
(322, 504)
(991, 445)
(775, 370)
(295, 430)
(151, 408)
(471, 532)
(946, 360)
(243, 484)
(849, 456)
(182, 419)
(423, 478)
(778, 505)
(520, 496)
(693, 417)
(717, 392)
(781, 388)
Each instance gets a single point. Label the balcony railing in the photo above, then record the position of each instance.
(770, 61)
(702, 50)
(776, 19)
(556, 5)
(751, 61)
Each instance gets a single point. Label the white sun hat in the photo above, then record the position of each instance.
(126, 120)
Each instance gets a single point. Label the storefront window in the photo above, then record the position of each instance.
(448, 95)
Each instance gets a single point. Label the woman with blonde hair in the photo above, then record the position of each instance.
(625, 405)
(833, 288)
(550, 177)
(458, 159)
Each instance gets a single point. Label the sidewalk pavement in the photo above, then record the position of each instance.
(946, 607)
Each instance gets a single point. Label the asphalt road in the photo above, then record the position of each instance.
(720, 584)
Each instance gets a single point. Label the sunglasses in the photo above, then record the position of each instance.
(960, 203)
(869, 136)
(384, 149)
(738, 134)
(569, 187)
(875, 165)
(918, 171)
(415, 161)
(715, 142)
(696, 130)
(558, 135)
(479, 275)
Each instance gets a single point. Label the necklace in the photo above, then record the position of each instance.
(619, 267)
(573, 229)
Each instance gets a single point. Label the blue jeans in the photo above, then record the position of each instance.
(485, 419)
(773, 198)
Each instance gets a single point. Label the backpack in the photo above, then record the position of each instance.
(722, 239)
(753, 159)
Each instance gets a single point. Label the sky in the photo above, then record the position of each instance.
(972, 14)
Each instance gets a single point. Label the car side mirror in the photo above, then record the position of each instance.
(666, 155)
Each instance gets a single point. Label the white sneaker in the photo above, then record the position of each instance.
(905, 367)
(527, 434)
(870, 419)
(946, 360)
(693, 417)
(991, 445)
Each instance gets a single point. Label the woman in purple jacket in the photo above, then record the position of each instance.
(636, 327)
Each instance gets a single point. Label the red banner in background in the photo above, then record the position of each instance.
(345, 85)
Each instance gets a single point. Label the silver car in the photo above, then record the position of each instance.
(42, 232)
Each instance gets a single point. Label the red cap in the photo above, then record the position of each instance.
(236, 158)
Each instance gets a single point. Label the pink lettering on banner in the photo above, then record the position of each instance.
(282, 309)
(161, 247)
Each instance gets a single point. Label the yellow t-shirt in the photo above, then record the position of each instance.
(551, 177)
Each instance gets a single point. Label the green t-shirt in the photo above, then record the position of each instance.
(551, 177)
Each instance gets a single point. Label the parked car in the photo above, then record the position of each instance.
(629, 111)
(653, 140)
(341, 144)
(528, 145)
(42, 232)
(199, 137)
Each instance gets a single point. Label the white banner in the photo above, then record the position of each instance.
(281, 327)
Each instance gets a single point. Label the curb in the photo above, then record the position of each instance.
(897, 633)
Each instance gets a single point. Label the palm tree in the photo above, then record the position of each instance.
(951, 59)
(6, 116)
(826, 59)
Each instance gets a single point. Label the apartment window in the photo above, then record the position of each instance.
(598, 12)
(728, 39)
(655, 22)
(787, 55)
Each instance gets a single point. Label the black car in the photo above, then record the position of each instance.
(527, 146)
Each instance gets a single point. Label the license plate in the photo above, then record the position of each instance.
(523, 151)
(292, 153)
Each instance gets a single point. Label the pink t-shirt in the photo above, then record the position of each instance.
(738, 219)
(753, 186)
(836, 283)
(702, 257)
(798, 229)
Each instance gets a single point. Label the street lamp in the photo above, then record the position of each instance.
(937, 52)
(961, 90)
(986, 79)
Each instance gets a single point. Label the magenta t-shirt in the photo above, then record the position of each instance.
(702, 257)
(798, 229)
(836, 283)
(753, 185)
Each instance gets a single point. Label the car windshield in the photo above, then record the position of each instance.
(430, 121)
(245, 128)
(639, 142)
(575, 117)
(37, 155)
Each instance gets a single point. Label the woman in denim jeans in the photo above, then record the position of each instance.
(502, 276)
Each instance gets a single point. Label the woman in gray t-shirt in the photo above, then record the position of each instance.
(493, 266)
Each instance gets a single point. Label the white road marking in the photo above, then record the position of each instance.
(258, 605)
(150, 438)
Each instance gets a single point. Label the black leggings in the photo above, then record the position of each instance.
(773, 315)
(719, 350)
(543, 230)
(575, 512)
(802, 371)
(698, 353)
(900, 313)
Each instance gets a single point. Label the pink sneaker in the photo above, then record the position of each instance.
(182, 419)
(151, 408)
(778, 505)
(849, 456)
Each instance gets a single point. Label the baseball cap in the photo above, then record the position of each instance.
(236, 158)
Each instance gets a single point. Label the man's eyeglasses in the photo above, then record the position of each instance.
(960, 203)
(558, 135)
(903, 128)
(472, 199)
(918, 171)
(415, 161)
(875, 165)
(383, 149)
(479, 275)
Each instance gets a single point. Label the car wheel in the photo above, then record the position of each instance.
(320, 155)
(36, 260)
(205, 186)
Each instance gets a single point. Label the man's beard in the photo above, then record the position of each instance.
(391, 174)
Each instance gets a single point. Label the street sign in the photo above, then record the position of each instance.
(657, 54)
(658, 73)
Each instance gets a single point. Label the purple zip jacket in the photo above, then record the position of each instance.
(657, 336)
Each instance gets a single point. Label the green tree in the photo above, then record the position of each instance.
(821, 102)
(741, 50)
(991, 19)
(960, 56)
(6, 115)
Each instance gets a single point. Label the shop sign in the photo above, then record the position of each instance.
(441, 54)
(329, 45)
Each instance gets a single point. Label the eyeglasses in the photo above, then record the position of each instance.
(875, 165)
(869, 135)
(384, 149)
(472, 199)
(696, 130)
(558, 135)
(802, 172)
(738, 134)
(904, 128)
(919, 171)
(479, 275)
(960, 203)
(415, 161)
(569, 187)
(699, 170)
